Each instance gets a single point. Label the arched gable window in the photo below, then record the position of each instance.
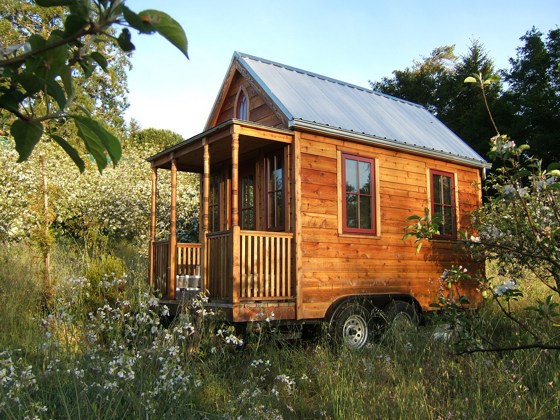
(242, 109)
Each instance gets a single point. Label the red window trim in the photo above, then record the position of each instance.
(345, 228)
(453, 205)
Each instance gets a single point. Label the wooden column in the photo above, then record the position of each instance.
(235, 179)
(235, 229)
(206, 187)
(153, 214)
(173, 232)
(205, 216)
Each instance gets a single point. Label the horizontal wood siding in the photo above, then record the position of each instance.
(336, 265)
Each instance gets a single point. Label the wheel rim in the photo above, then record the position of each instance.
(355, 332)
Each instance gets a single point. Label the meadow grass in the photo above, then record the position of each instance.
(118, 360)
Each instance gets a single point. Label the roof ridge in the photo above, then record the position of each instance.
(326, 78)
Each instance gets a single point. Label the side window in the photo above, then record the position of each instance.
(242, 108)
(275, 191)
(358, 207)
(443, 202)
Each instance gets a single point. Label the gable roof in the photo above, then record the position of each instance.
(312, 101)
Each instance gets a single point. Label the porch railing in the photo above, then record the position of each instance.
(220, 265)
(161, 266)
(266, 265)
(188, 263)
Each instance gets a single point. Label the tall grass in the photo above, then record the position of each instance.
(119, 361)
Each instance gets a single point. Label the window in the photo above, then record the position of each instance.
(275, 192)
(214, 204)
(358, 208)
(247, 203)
(242, 107)
(443, 202)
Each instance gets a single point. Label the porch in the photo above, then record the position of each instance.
(245, 256)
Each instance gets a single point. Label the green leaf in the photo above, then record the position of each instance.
(470, 79)
(57, 93)
(167, 27)
(67, 81)
(70, 151)
(94, 132)
(54, 3)
(26, 135)
(73, 24)
(11, 100)
(136, 21)
(99, 59)
(87, 67)
(124, 41)
(31, 83)
(553, 166)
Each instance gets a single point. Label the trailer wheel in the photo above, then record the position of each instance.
(401, 313)
(352, 326)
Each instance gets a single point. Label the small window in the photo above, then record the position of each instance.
(275, 192)
(242, 107)
(443, 202)
(358, 208)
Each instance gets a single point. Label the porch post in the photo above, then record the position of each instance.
(173, 232)
(205, 216)
(235, 229)
(235, 179)
(153, 213)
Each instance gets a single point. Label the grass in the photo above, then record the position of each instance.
(120, 362)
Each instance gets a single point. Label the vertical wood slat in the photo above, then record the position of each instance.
(188, 259)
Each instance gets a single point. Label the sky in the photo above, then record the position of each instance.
(354, 41)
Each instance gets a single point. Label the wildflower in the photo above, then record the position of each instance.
(505, 287)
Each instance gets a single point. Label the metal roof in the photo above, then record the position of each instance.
(314, 101)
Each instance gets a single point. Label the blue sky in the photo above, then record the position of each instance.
(351, 40)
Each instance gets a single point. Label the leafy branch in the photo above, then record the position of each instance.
(36, 77)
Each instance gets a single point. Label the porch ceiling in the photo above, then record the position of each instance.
(189, 154)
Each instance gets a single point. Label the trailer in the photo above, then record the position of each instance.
(306, 183)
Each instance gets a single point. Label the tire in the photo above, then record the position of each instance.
(352, 326)
(401, 314)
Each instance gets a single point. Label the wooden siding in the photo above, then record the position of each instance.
(259, 111)
(333, 264)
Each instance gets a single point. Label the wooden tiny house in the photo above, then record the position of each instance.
(306, 183)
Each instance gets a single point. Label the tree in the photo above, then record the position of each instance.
(437, 84)
(66, 41)
(534, 94)
(425, 83)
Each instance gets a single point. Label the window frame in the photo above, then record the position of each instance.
(373, 196)
(245, 174)
(242, 106)
(277, 156)
(452, 205)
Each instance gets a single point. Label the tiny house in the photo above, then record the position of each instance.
(306, 182)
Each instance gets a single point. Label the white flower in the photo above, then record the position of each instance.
(505, 287)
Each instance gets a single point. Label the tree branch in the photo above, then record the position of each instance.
(541, 346)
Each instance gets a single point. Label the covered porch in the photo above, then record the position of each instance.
(244, 260)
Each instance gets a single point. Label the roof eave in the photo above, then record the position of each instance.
(393, 144)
